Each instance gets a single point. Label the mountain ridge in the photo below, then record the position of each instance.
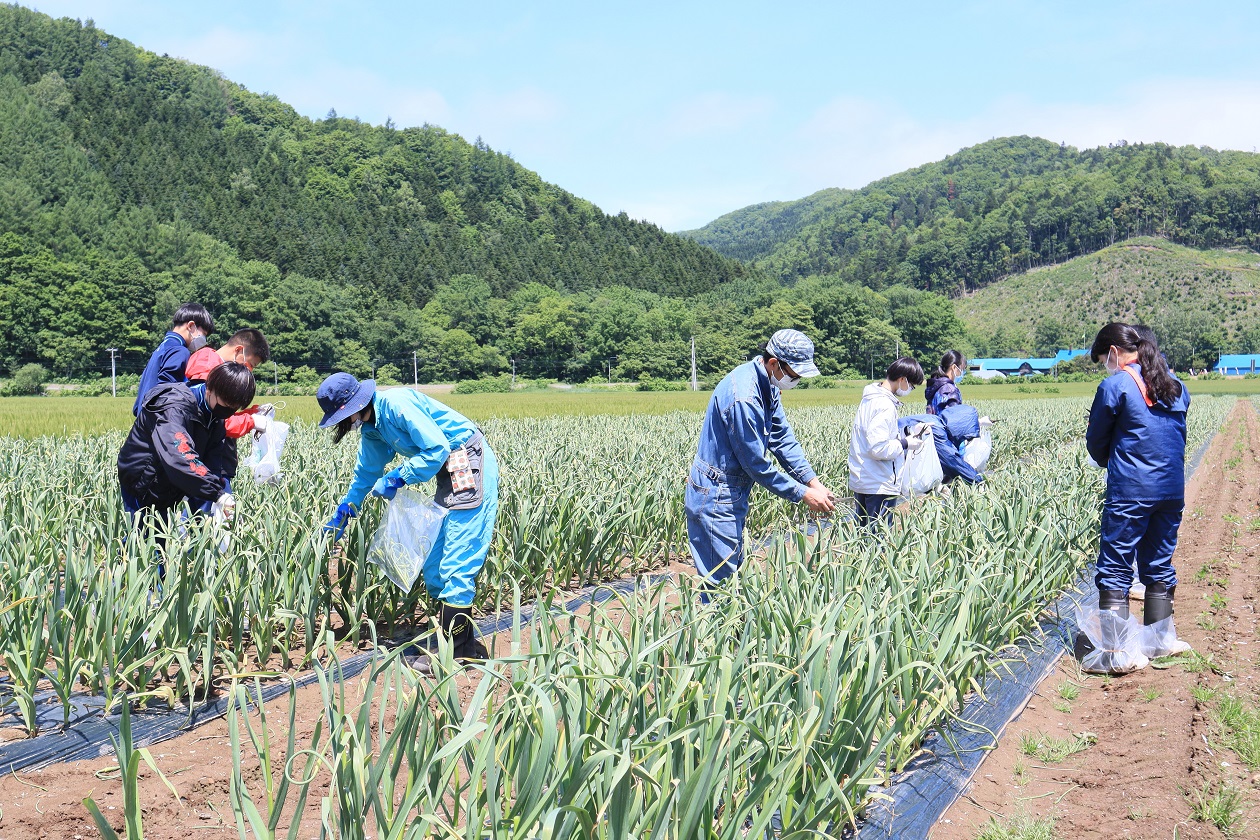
(995, 207)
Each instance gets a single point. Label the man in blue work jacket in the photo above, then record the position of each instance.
(191, 326)
(435, 441)
(744, 432)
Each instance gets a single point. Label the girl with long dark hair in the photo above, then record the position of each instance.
(1137, 430)
(942, 384)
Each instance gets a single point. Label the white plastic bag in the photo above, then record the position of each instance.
(221, 521)
(405, 537)
(921, 472)
(265, 460)
(977, 451)
(1116, 642)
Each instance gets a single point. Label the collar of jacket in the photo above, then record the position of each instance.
(203, 404)
(763, 377)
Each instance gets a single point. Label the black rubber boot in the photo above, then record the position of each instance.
(1159, 603)
(457, 624)
(1109, 600)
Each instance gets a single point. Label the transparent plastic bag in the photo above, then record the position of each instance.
(977, 451)
(406, 535)
(921, 472)
(1114, 643)
(1160, 639)
(265, 460)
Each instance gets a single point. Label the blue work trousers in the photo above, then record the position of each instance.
(458, 555)
(717, 508)
(872, 508)
(1145, 532)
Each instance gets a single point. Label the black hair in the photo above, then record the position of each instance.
(907, 367)
(196, 313)
(253, 341)
(949, 360)
(232, 383)
(343, 426)
(1160, 384)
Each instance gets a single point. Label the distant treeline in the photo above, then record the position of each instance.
(70, 311)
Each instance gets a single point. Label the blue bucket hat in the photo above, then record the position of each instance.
(341, 395)
(793, 348)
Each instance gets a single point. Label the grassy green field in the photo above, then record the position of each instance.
(35, 416)
(1143, 279)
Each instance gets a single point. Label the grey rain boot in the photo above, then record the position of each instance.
(1109, 600)
(457, 624)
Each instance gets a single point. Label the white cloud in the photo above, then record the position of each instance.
(714, 113)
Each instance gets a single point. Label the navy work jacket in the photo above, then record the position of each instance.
(1143, 449)
(745, 431)
(165, 365)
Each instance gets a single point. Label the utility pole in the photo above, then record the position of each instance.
(610, 371)
(514, 373)
(693, 364)
(113, 371)
(275, 375)
(415, 369)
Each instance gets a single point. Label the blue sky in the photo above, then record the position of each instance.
(680, 112)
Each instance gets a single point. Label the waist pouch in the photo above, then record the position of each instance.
(741, 479)
(459, 485)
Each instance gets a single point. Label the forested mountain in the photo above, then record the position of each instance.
(1199, 302)
(755, 231)
(1004, 206)
(130, 181)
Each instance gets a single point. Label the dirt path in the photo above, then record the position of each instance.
(1157, 745)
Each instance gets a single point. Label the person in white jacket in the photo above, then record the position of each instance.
(878, 447)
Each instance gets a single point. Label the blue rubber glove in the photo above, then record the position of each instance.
(387, 487)
(345, 512)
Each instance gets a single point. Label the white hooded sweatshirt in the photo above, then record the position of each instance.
(875, 452)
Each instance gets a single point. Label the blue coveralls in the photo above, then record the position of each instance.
(165, 365)
(953, 465)
(743, 426)
(424, 431)
(1144, 451)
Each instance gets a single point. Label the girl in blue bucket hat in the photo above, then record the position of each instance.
(435, 442)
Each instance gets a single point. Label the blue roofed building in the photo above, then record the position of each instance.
(1238, 364)
(1015, 366)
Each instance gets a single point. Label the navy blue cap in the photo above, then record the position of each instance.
(793, 348)
(341, 395)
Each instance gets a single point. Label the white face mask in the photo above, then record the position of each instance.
(903, 392)
(1111, 364)
(355, 424)
(784, 382)
(787, 383)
